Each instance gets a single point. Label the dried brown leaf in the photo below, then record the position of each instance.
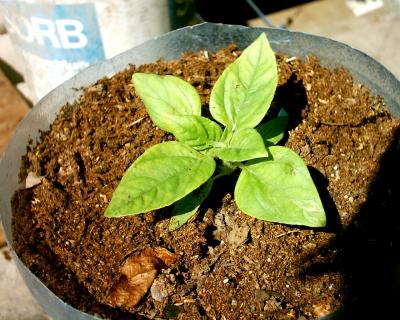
(137, 275)
(238, 235)
(227, 230)
(166, 256)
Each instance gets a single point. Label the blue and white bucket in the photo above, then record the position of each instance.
(56, 39)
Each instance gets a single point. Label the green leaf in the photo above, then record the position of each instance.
(242, 95)
(195, 131)
(273, 131)
(280, 190)
(162, 175)
(185, 208)
(166, 96)
(245, 144)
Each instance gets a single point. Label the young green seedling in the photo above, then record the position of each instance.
(274, 183)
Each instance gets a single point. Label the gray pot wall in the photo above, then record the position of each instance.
(206, 36)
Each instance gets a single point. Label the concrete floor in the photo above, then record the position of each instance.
(374, 33)
(16, 302)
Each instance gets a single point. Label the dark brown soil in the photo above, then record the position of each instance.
(345, 135)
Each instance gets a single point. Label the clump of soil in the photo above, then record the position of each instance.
(229, 266)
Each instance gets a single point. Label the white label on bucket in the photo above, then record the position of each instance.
(62, 32)
(61, 38)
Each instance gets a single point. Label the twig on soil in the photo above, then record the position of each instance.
(286, 233)
(323, 101)
(290, 59)
(248, 259)
(351, 125)
(339, 124)
(135, 122)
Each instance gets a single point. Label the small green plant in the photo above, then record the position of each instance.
(274, 183)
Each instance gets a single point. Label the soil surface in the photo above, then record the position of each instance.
(229, 265)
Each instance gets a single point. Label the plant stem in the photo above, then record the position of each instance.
(225, 169)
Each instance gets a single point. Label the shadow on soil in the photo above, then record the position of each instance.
(370, 248)
(292, 97)
(333, 223)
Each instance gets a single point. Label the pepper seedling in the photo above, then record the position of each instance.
(274, 183)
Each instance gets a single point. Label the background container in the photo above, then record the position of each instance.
(56, 39)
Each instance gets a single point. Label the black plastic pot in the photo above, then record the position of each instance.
(169, 46)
